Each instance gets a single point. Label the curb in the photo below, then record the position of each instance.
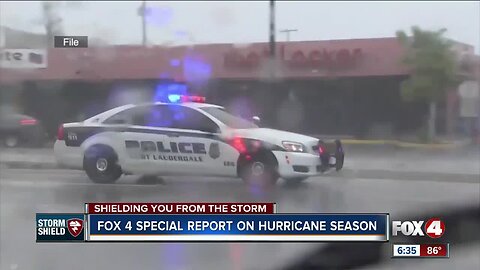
(401, 144)
(29, 165)
(409, 175)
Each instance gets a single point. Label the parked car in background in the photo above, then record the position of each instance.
(17, 129)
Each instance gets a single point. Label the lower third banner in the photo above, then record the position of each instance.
(208, 228)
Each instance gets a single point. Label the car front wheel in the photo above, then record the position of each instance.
(259, 169)
(101, 164)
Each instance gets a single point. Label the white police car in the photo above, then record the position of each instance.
(189, 137)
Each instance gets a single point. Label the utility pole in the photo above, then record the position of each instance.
(287, 32)
(272, 29)
(52, 21)
(264, 96)
(142, 12)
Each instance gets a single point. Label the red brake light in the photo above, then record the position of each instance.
(320, 149)
(28, 122)
(198, 99)
(60, 133)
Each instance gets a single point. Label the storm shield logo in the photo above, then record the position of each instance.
(214, 150)
(75, 226)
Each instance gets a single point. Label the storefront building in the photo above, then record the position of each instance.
(347, 87)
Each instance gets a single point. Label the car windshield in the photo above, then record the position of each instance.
(228, 119)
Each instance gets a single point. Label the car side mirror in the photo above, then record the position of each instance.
(256, 120)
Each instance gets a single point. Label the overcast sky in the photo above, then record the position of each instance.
(243, 22)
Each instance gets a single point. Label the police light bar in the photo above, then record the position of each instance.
(183, 98)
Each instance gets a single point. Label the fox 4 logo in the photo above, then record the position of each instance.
(434, 228)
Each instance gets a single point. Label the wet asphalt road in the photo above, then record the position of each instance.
(26, 191)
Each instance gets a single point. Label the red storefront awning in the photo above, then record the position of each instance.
(309, 59)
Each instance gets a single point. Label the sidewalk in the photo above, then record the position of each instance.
(28, 158)
(420, 160)
(404, 144)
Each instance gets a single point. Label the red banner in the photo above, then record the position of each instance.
(180, 208)
(434, 250)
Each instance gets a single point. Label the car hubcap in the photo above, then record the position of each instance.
(102, 164)
(258, 168)
(11, 141)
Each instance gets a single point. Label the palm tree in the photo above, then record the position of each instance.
(433, 69)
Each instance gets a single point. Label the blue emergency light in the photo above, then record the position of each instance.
(174, 98)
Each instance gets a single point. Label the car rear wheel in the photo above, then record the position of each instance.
(259, 169)
(101, 164)
(11, 141)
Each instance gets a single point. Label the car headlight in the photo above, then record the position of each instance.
(293, 146)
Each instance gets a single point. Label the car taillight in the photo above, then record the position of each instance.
(28, 122)
(60, 133)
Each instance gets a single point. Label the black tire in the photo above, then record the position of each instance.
(101, 164)
(259, 169)
(295, 181)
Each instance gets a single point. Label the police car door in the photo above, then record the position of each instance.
(196, 143)
(143, 138)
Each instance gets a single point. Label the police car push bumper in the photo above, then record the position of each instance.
(297, 164)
